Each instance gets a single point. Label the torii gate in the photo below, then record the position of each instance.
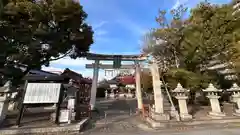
(117, 59)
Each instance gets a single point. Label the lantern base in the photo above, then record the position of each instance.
(216, 115)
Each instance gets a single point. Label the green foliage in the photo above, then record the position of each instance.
(211, 32)
(170, 36)
(36, 32)
(187, 78)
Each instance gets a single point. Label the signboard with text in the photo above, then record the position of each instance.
(42, 93)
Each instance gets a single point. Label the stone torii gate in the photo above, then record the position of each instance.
(117, 59)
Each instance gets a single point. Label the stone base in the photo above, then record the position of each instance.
(129, 95)
(186, 116)
(63, 116)
(67, 129)
(155, 124)
(216, 115)
(174, 113)
(160, 116)
(121, 95)
(111, 95)
(237, 112)
(2, 119)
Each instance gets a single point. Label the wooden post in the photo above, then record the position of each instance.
(77, 97)
(59, 105)
(20, 114)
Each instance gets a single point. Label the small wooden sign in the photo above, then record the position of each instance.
(42, 93)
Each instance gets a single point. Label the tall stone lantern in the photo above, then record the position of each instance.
(213, 96)
(181, 94)
(235, 92)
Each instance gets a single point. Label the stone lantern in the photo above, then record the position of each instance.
(5, 96)
(106, 94)
(235, 91)
(181, 95)
(213, 95)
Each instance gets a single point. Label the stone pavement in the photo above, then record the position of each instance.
(115, 116)
(112, 109)
(198, 132)
(134, 126)
(118, 121)
(115, 119)
(128, 125)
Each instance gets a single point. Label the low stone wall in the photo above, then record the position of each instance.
(35, 130)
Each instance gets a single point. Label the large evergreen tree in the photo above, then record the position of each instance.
(36, 32)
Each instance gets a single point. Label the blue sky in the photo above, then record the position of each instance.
(119, 26)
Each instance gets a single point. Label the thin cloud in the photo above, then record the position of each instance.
(100, 32)
(111, 10)
(180, 2)
(99, 25)
(71, 62)
(133, 27)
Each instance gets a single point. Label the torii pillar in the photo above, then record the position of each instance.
(158, 112)
(94, 84)
(138, 86)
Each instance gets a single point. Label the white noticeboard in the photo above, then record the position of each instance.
(42, 93)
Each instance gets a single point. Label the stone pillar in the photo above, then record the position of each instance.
(111, 94)
(235, 91)
(138, 86)
(237, 100)
(94, 84)
(5, 92)
(181, 96)
(158, 113)
(128, 93)
(3, 107)
(71, 108)
(158, 98)
(212, 94)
